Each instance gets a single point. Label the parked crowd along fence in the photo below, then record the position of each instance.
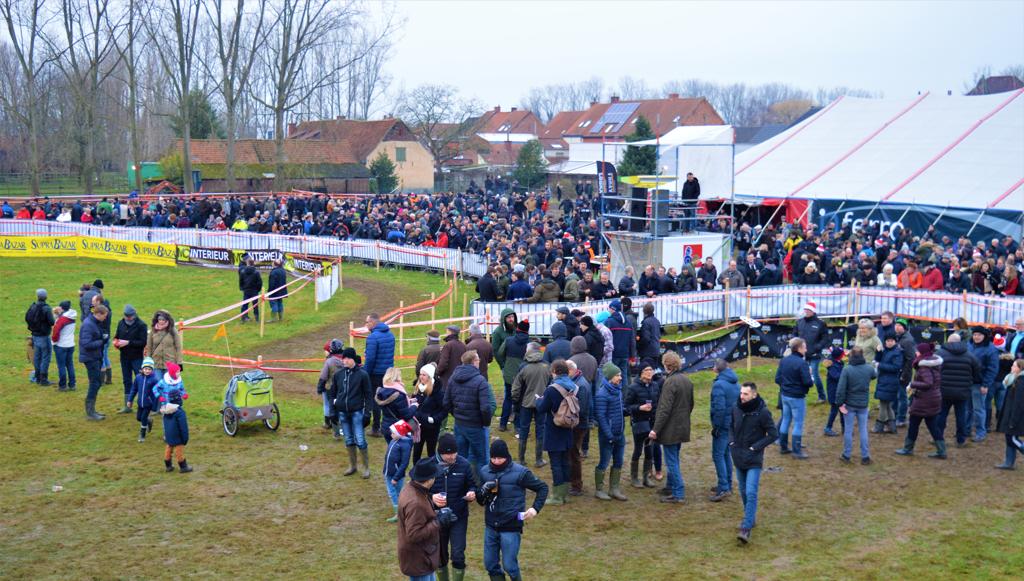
(694, 308)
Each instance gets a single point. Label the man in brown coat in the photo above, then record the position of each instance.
(431, 353)
(451, 353)
(419, 533)
(672, 424)
(482, 346)
(547, 290)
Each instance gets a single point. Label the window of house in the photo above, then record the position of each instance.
(400, 154)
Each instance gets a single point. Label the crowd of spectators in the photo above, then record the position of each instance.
(532, 239)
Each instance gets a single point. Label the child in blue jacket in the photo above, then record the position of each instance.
(142, 388)
(835, 364)
(170, 396)
(396, 462)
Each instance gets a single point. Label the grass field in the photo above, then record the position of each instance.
(258, 505)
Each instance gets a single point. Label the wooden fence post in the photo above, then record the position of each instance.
(341, 275)
(433, 306)
(316, 303)
(401, 327)
(963, 305)
(263, 311)
(377, 254)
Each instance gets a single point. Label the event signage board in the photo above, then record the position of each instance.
(952, 222)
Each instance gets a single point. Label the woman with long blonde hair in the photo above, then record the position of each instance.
(394, 402)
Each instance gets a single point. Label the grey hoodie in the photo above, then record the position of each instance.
(584, 361)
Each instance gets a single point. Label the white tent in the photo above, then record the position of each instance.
(936, 150)
(704, 150)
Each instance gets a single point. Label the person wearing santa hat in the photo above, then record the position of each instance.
(170, 396)
(396, 462)
(814, 332)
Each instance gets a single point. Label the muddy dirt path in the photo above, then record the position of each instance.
(379, 297)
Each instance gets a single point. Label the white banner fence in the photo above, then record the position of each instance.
(695, 308)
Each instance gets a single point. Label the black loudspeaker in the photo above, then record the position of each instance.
(659, 212)
(638, 209)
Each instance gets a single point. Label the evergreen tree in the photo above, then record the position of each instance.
(203, 121)
(530, 165)
(382, 169)
(640, 160)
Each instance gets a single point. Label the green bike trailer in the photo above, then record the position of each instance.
(249, 397)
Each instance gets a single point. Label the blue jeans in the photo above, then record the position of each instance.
(902, 404)
(327, 404)
(560, 466)
(998, 396)
(793, 411)
(611, 451)
(861, 414)
(675, 475)
(748, 481)
(95, 373)
(277, 306)
(42, 349)
(427, 577)
(978, 401)
(814, 365)
(129, 369)
(394, 490)
(960, 409)
(501, 551)
(508, 407)
(352, 426)
(526, 417)
(472, 443)
(723, 461)
(106, 354)
(65, 357)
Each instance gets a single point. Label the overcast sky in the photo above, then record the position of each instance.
(495, 51)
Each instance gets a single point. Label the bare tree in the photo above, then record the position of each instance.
(631, 89)
(239, 35)
(301, 27)
(127, 50)
(85, 52)
(181, 16)
(25, 22)
(440, 118)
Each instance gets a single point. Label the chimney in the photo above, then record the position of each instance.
(291, 128)
(673, 95)
(497, 108)
(513, 109)
(615, 99)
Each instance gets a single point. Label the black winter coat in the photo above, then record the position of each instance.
(637, 395)
(431, 406)
(466, 397)
(960, 370)
(249, 280)
(752, 431)
(456, 480)
(487, 287)
(136, 335)
(650, 338)
(1011, 419)
(502, 514)
(815, 333)
(350, 390)
(595, 343)
(277, 279)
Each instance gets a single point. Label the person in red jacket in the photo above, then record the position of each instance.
(23, 214)
(39, 214)
(909, 277)
(932, 279)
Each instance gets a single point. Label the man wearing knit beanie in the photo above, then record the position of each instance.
(40, 320)
(503, 520)
(453, 488)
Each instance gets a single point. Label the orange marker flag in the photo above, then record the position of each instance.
(222, 331)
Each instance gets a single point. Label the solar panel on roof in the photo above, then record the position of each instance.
(617, 115)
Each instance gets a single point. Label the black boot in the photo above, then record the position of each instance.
(108, 377)
(90, 411)
(183, 467)
(168, 466)
(783, 443)
(522, 452)
(142, 434)
(327, 423)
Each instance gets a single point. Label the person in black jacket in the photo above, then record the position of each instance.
(40, 320)
(595, 342)
(276, 293)
(649, 345)
(960, 371)
(814, 332)
(130, 340)
(430, 411)
(350, 395)
(487, 287)
(468, 398)
(454, 487)
(91, 340)
(753, 430)
(250, 283)
(503, 494)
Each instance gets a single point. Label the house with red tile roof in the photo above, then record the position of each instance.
(414, 164)
(615, 120)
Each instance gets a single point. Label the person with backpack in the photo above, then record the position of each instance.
(560, 407)
(39, 319)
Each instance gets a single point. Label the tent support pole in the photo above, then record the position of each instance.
(770, 218)
(973, 226)
(941, 214)
(868, 217)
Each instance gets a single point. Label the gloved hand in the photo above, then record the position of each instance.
(487, 493)
(446, 518)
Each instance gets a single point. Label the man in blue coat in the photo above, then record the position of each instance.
(623, 339)
(725, 392)
(380, 355)
(983, 393)
(794, 380)
(91, 340)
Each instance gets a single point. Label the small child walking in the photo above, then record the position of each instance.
(170, 395)
(396, 462)
(835, 363)
(142, 388)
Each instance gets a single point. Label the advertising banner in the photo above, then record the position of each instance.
(127, 251)
(205, 256)
(39, 245)
(263, 258)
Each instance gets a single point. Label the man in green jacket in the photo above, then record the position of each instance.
(531, 381)
(672, 424)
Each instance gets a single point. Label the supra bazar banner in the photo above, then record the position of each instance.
(39, 245)
(127, 251)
